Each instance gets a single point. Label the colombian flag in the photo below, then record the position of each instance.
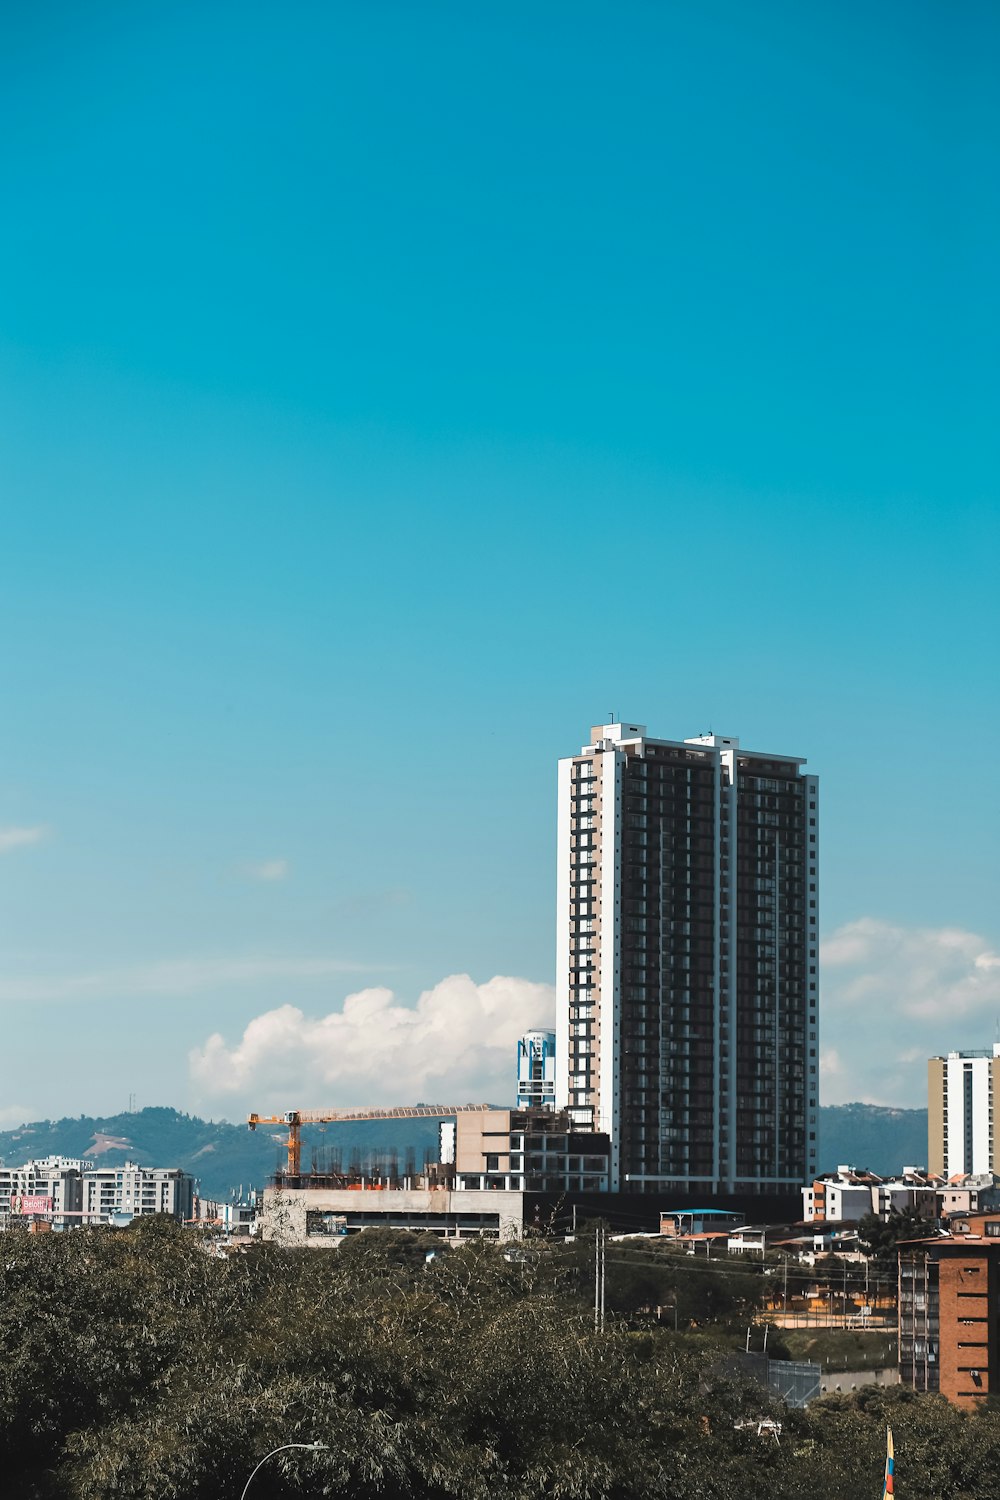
(890, 1464)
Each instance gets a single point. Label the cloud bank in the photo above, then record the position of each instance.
(891, 997)
(177, 976)
(456, 1045)
(21, 838)
(12, 1115)
(269, 870)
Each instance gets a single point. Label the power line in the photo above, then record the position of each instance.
(675, 1261)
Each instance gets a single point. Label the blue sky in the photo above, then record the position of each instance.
(387, 393)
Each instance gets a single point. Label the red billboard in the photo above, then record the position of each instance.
(30, 1203)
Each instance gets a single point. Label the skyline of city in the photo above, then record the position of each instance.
(380, 402)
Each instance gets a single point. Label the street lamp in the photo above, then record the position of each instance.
(312, 1448)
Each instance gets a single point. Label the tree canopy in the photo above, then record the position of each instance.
(139, 1363)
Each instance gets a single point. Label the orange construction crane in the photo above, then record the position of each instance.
(296, 1118)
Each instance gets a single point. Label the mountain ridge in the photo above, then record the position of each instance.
(225, 1157)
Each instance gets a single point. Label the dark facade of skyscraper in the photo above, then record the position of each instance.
(687, 957)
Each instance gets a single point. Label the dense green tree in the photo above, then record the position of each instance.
(880, 1237)
(140, 1364)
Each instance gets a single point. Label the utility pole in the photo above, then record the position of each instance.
(845, 1293)
(599, 1252)
(597, 1275)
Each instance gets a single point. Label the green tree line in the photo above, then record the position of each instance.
(141, 1364)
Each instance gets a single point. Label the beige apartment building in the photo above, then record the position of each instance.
(961, 1091)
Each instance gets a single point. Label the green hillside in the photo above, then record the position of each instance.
(222, 1156)
(870, 1135)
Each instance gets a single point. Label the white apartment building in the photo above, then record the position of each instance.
(67, 1192)
(50, 1188)
(961, 1090)
(836, 1200)
(848, 1194)
(686, 983)
(128, 1191)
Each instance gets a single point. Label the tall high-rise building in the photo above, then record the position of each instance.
(686, 988)
(961, 1090)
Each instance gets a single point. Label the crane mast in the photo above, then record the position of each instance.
(294, 1119)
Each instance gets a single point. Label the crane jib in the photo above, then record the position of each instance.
(294, 1119)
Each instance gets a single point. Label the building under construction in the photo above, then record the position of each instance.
(496, 1171)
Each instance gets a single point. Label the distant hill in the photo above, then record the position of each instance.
(222, 1156)
(871, 1135)
(225, 1157)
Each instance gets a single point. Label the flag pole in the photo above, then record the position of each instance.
(890, 1465)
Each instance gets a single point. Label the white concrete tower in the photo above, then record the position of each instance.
(961, 1091)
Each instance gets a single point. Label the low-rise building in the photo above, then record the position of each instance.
(320, 1216)
(912, 1189)
(949, 1334)
(236, 1219)
(681, 1223)
(845, 1196)
(975, 1193)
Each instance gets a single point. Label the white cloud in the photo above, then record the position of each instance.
(454, 1046)
(12, 1115)
(171, 977)
(891, 997)
(269, 869)
(21, 838)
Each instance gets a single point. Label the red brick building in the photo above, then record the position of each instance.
(949, 1311)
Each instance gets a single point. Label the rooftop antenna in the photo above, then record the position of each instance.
(611, 716)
